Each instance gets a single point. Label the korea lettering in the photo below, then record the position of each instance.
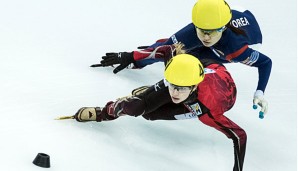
(240, 22)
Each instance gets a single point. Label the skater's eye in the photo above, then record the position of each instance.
(210, 32)
(180, 89)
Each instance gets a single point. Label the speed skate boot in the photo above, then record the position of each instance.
(139, 90)
(98, 114)
(86, 114)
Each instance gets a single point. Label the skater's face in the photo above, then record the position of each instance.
(179, 93)
(209, 37)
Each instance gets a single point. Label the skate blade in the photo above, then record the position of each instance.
(64, 117)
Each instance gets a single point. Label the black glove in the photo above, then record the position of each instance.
(122, 58)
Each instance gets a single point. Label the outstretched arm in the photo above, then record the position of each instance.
(125, 59)
(150, 54)
(254, 58)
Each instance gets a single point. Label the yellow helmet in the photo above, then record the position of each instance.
(184, 70)
(211, 14)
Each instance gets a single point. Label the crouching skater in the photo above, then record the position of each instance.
(190, 89)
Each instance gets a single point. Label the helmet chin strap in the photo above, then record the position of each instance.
(193, 89)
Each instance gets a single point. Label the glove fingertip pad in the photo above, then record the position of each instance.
(255, 106)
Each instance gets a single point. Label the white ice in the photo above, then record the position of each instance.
(46, 48)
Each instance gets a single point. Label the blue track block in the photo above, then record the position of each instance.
(261, 115)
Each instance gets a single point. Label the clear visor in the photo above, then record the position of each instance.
(180, 89)
(213, 32)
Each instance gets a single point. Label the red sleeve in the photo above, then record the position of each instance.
(164, 51)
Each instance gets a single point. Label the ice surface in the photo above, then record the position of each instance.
(46, 48)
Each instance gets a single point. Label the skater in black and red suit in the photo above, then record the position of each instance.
(190, 89)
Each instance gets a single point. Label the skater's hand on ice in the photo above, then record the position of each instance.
(122, 58)
(260, 101)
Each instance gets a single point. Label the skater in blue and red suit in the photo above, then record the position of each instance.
(216, 33)
(190, 89)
